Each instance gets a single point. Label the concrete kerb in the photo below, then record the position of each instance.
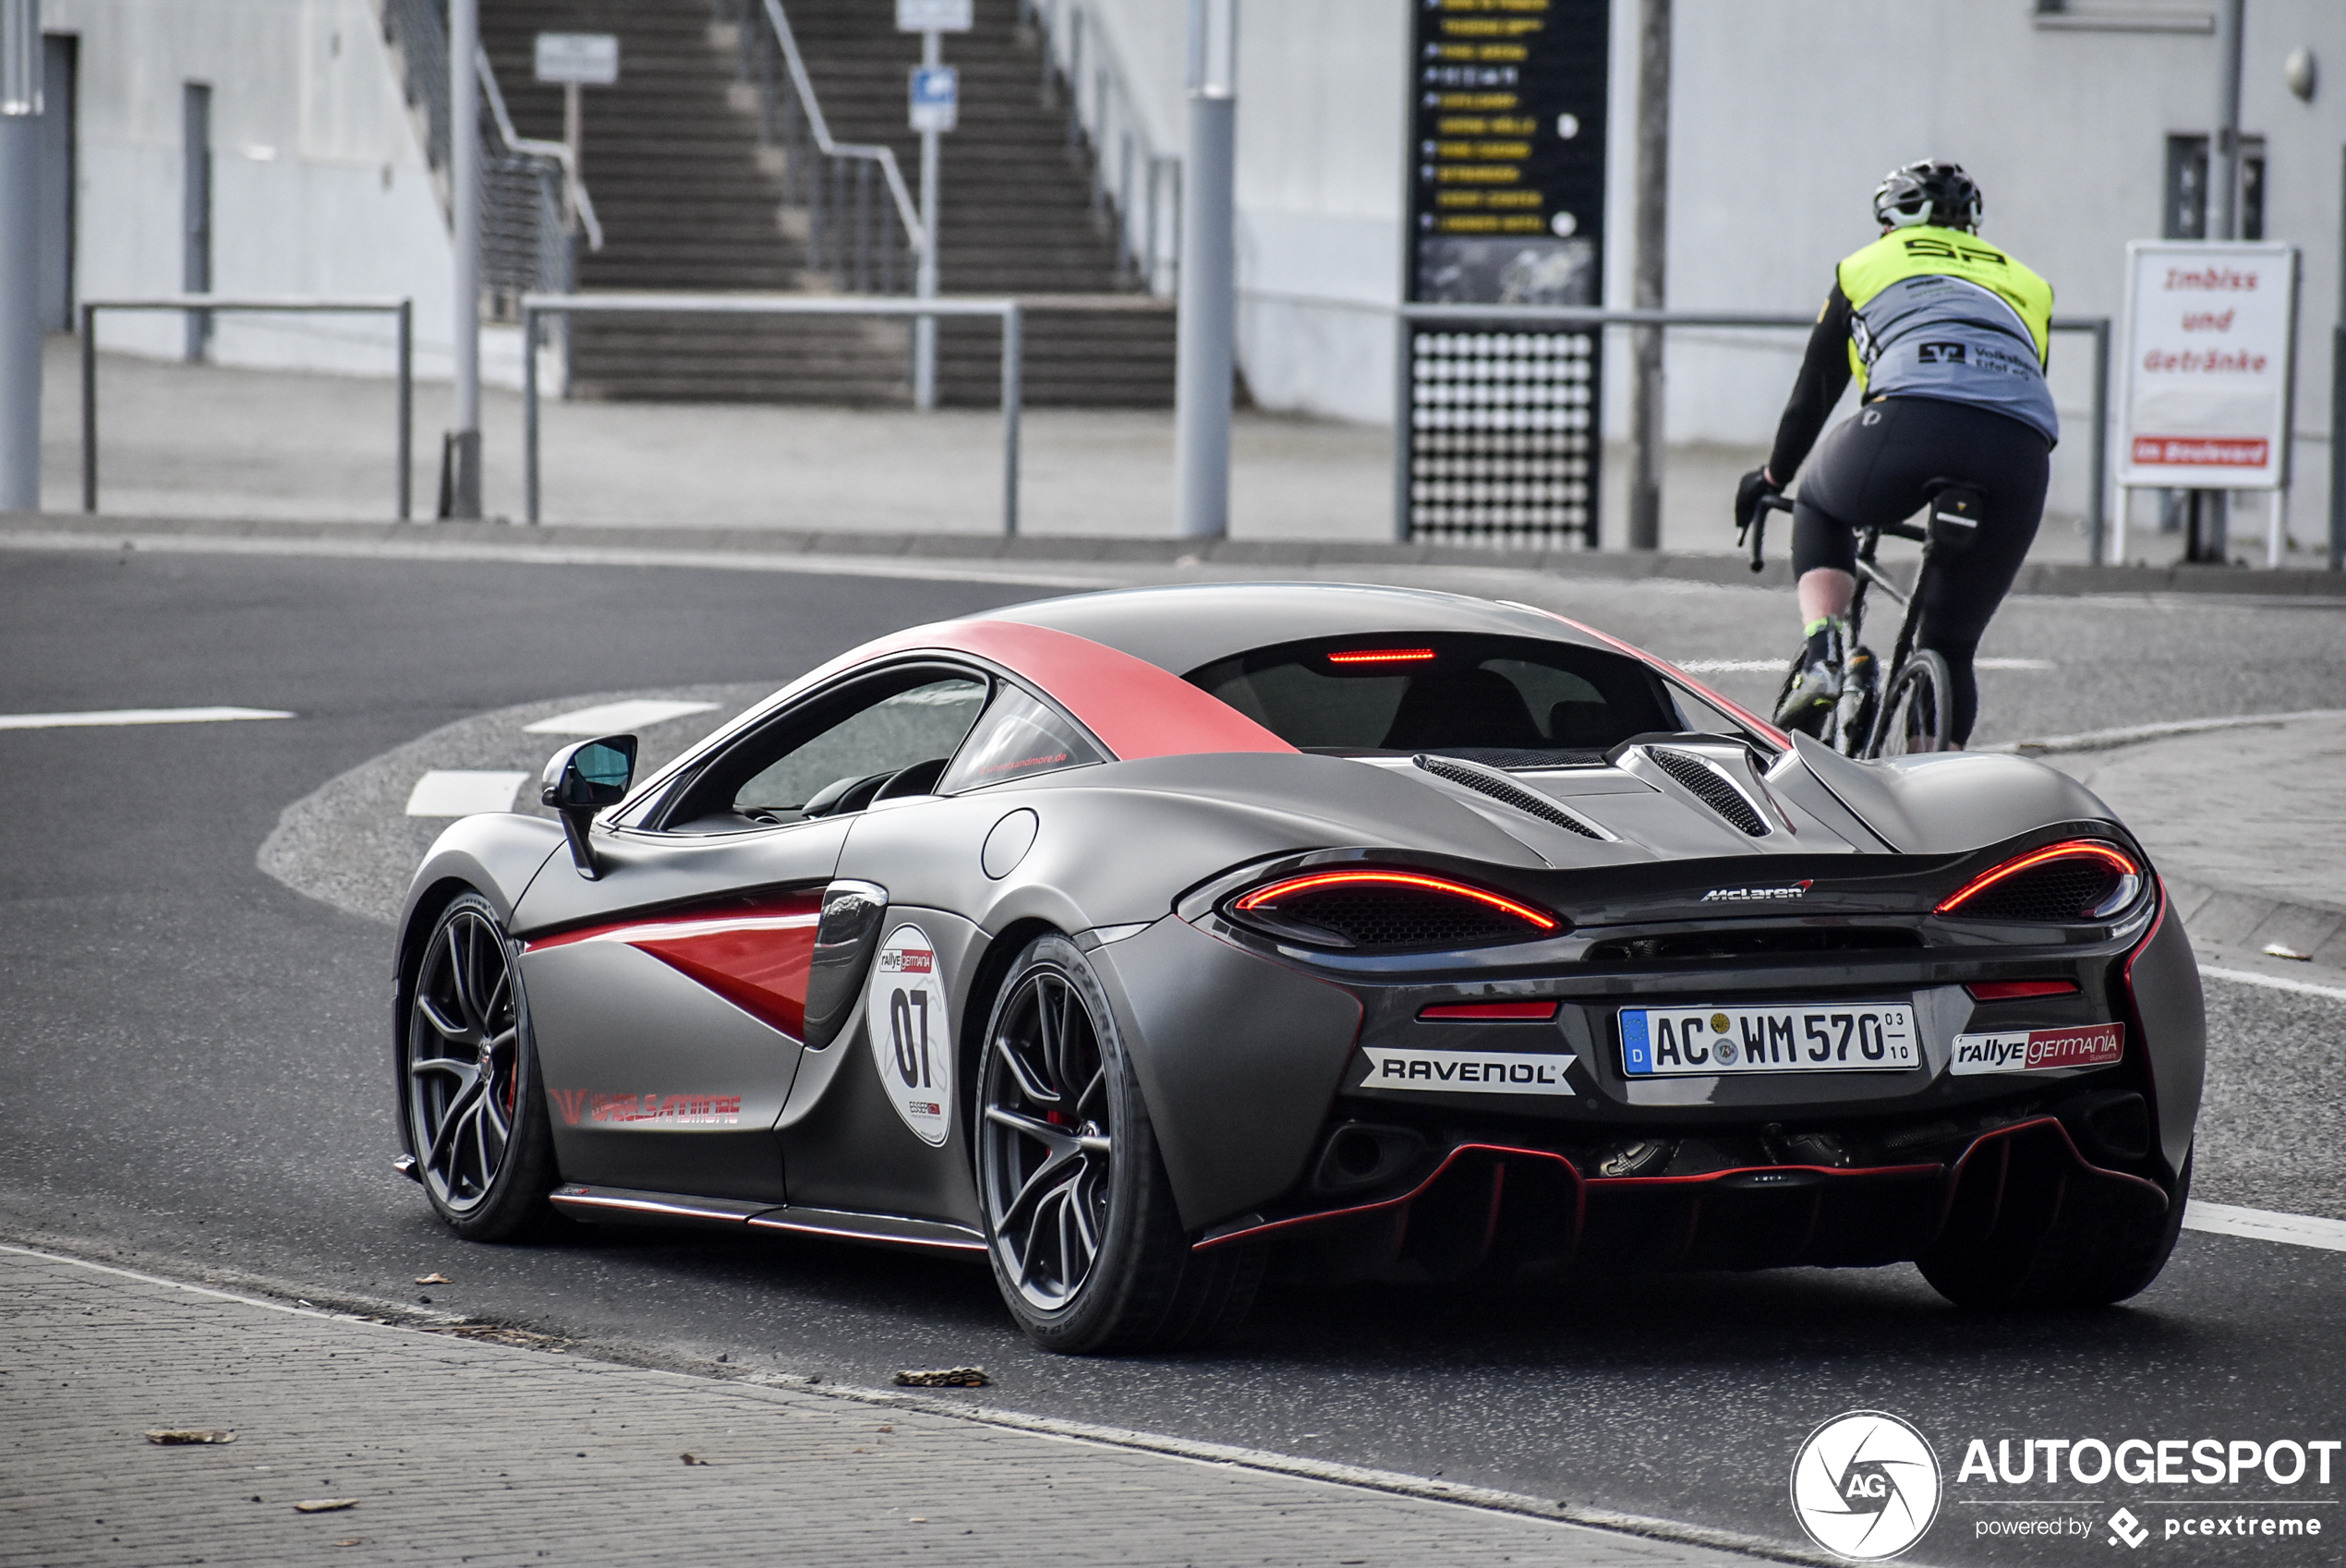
(489, 1343)
(2048, 578)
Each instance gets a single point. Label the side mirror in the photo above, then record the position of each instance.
(583, 779)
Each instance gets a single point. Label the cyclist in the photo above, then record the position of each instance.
(1946, 336)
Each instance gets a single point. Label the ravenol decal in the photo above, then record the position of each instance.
(906, 1015)
(1469, 1072)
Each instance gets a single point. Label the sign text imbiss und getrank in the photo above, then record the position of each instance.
(2205, 394)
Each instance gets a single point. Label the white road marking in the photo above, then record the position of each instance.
(615, 719)
(135, 715)
(452, 792)
(1771, 666)
(2275, 982)
(2263, 1225)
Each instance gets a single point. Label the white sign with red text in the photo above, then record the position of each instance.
(2204, 399)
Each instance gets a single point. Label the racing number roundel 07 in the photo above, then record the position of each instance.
(905, 1013)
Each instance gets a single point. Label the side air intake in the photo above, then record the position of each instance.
(1506, 791)
(1708, 783)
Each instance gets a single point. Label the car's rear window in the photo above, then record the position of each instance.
(1512, 702)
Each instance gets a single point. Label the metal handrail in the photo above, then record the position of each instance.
(574, 186)
(401, 308)
(1112, 111)
(906, 213)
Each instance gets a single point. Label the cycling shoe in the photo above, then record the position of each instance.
(1813, 691)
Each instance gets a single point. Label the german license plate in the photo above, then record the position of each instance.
(1822, 1037)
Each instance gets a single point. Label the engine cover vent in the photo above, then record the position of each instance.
(1708, 783)
(1506, 791)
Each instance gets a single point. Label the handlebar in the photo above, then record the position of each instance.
(1755, 528)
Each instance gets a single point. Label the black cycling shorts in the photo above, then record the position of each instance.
(1881, 465)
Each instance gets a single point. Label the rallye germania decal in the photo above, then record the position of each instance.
(906, 1014)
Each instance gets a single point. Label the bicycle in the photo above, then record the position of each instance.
(1912, 711)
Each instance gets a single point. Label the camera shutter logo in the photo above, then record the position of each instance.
(1865, 1486)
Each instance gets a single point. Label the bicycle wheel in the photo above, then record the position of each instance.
(1916, 711)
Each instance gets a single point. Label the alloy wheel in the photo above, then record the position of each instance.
(464, 1061)
(1046, 1146)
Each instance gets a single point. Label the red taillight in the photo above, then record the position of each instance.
(1489, 1012)
(1270, 897)
(2079, 879)
(1381, 656)
(1370, 908)
(2014, 990)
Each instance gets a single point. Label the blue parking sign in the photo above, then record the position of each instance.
(936, 99)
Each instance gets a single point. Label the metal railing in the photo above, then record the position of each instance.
(530, 189)
(1142, 200)
(208, 304)
(849, 234)
(1503, 317)
(1007, 311)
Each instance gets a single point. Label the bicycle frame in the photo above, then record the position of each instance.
(1855, 717)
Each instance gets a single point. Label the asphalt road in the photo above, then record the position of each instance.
(197, 1073)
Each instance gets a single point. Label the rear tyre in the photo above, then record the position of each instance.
(1916, 712)
(474, 1107)
(1086, 1243)
(2094, 1254)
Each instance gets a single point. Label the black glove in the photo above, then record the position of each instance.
(1753, 490)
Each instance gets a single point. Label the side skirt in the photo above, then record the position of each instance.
(625, 1205)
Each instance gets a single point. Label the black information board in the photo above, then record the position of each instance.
(1507, 208)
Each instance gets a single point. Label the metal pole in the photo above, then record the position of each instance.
(925, 277)
(1205, 327)
(2097, 502)
(2211, 509)
(1651, 274)
(529, 412)
(1404, 428)
(2337, 446)
(406, 409)
(2223, 207)
(90, 408)
(1013, 394)
(463, 164)
(20, 74)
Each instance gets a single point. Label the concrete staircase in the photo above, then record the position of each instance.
(688, 200)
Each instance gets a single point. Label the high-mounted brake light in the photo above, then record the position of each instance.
(2125, 880)
(1269, 897)
(2014, 990)
(1381, 656)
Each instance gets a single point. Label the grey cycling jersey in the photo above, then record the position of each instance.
(1932, 336)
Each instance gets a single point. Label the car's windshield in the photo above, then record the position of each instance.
(1512, 701)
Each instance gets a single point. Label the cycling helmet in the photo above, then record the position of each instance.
(1937, 193)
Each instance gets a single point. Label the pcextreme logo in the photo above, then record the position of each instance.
(1865, 1486)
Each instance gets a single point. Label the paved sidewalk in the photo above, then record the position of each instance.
(2248, 823)
(178, 441)
(460, 1451)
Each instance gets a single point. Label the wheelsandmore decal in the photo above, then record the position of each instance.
(578, 1105)
(2036, 1050)
(905, 1012)
(1469, 1072)
(1865, 1486)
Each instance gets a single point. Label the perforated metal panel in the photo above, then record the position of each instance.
(1502, 436)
